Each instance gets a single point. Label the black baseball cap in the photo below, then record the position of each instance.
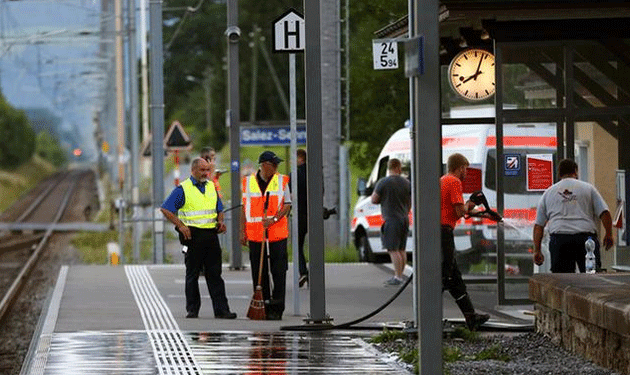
(269, 156)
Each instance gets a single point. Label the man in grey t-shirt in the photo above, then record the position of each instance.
(570, 208)
(394, 194)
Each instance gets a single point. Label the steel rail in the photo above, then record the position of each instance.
(16, 243)
(39, 200)
(21, 278)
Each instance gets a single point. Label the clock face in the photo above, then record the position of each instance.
(471, 74)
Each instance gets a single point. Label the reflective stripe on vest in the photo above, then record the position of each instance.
(253, 203)
(199, 210)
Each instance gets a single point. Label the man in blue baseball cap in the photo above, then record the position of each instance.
(270, 157)
(264, 225)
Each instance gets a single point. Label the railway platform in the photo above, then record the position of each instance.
(131, 320)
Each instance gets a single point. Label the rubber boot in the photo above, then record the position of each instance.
(473, 320)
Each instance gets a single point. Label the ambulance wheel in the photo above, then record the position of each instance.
(364, 249)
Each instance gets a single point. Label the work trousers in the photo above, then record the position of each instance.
(204, 251)
(568, 250)
(276, 260)
(451, 276)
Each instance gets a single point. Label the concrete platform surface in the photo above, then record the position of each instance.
(131, 320)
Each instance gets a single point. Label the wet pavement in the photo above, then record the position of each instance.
(127, 352)
(131, 320)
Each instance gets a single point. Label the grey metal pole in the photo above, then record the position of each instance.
(313, 70)
(255, 35)
(120, 96)
(120, 118)
(344, 196)
(294, 187)
(427, 226)
(233, 120)
(157, 119)
(207, 88)
(133, 95)
(413, 119)
(143, 68)
(121, 229)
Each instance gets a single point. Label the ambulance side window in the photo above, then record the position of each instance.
(406, 169)
(382, 167)
(516, 182)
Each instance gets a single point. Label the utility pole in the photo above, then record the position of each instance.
(255, 35)
(133, 101)
(120, 97)
(144, 73)
(157, 117)
(331, 115)
(233, 121)
(207, 87)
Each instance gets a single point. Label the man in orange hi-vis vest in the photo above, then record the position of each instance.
(267, 185)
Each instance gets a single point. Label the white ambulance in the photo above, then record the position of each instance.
(525, 145)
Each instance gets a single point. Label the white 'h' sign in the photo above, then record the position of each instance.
(289, 34)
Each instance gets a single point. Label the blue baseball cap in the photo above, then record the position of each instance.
(269, 156)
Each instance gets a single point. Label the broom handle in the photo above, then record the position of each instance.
(262, 259)
(264, 239)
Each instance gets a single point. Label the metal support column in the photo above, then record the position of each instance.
(570, 107)
(157, 122)
(428, 149)
(135, 142)
(314, 167)
(233, 121)
(498, 103)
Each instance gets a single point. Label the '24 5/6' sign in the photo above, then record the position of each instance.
(385, 53)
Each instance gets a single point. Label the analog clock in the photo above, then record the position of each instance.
(471, 74)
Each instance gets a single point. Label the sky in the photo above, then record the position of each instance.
(59, 73)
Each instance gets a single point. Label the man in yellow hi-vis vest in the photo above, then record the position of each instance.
(195, 209)
(267, 185)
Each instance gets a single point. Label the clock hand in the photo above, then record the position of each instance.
(472, 76)
(479, 66)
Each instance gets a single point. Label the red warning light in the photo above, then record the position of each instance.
(77, 152)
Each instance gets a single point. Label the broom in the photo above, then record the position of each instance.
(257, 305)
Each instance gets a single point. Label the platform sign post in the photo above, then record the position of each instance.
(289, 36)
(425, 105)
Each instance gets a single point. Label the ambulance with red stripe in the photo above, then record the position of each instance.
(475, 239)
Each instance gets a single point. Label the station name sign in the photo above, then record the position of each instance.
(271, 135)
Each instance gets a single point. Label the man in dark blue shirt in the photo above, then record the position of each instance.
(195, 209)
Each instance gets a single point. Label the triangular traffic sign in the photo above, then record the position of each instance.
(176, 138)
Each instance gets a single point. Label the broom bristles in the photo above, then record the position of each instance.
(257, 306)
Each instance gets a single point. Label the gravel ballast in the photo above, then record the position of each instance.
(529, 354)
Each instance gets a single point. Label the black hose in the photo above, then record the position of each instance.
(308, 327)
(231, 208)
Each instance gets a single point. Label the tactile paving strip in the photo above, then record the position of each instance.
(170, 349)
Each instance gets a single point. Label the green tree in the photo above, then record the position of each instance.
(18, 138)
(379, 98)
(195, 49)
(194, 43)
(48, 148)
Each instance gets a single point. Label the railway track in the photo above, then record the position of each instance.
(20, 251)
